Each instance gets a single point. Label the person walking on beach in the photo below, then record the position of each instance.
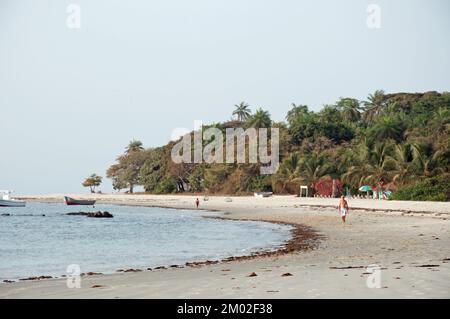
(197, 202)
(343, 208)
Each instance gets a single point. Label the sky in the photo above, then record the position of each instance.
(72, 98)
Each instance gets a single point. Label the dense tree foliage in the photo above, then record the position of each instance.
(388, 141)
(92, 182)
(434, 189)
(126, 173)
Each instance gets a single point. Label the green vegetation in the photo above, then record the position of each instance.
(242, 111)
(127, 172)
(399, 142)
(432, 189)
(92, 182)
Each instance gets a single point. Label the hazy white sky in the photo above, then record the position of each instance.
(71, 99)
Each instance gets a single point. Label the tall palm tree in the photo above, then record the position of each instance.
(403, 157)
(374, 166)
(260, 119)
(295, 112)
(442, 153)
(345, 157)
(430, 163)
(350, 109)
(385, 128)
(440, 122)
(374, 105)
(288, 170)
(242, 111)
(314, 167)
(134, 146)
(380, 171)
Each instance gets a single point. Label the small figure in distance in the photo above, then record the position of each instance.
(343, 208)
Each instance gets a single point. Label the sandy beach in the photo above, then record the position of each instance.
(407, 241)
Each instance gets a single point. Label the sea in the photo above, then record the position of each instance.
(41, 239)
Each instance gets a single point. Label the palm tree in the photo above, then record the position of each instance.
(350, 109)
(314, 167)
(345, 157)
(260, 119)
(429, 163)
(242, 111)
(134, 146)
(440, 123)
(374, 166)
(288, 171)
(442, 153)
(374, 105)
(296, 112)
(385, 128)
(403, 157)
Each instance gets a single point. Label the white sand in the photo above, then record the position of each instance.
(399, 237)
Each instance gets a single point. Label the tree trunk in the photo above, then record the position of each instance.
(313, 190)
(131, 188)
(333, 189)
(180, 186)
(379, 188)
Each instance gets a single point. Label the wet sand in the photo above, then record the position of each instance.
(407, 241)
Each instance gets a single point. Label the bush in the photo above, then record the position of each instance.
(166, 186)
(260, 183)
(430, 189)
(196, 180)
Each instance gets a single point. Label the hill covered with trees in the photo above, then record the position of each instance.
(396, 141)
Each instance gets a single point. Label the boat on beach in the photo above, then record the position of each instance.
(263, 194)
(72, 201)
(7, 201)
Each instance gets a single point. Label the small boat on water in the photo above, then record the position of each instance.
(72, 201)
(7, 201)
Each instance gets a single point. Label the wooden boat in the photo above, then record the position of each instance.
(6, 201)
(72, 201)
(263, 194)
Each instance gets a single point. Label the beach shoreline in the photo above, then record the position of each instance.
(340, 261)
(301, 239)
(180, 201)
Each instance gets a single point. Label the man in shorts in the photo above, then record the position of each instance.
(343, 208)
